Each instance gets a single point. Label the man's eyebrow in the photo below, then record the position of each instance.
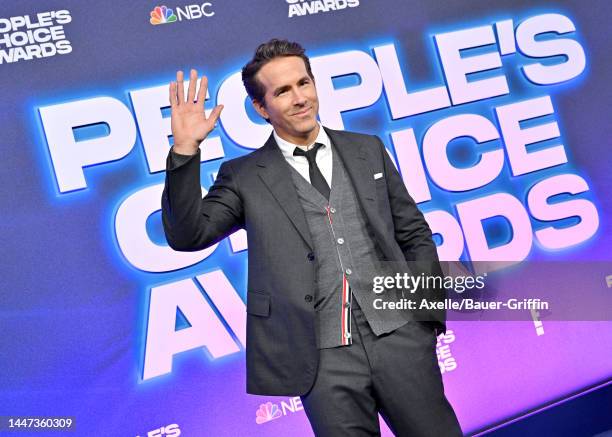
(286, 87)
(281, 88)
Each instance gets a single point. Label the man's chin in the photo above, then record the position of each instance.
(307, 126)
(303, 129)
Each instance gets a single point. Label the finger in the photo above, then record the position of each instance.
(180, 87)
(202, 90)
(193, 78)
(172, 94)
(215, 113)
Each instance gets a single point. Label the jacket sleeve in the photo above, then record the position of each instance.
(191, 222)
(412, 232)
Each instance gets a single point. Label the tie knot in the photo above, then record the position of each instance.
(309, 154)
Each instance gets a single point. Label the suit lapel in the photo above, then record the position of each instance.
(355, 161)
(275, 173)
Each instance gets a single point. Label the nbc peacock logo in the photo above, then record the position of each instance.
(267, 412)
(162, 15)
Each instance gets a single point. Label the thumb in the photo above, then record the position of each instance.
(215, 113)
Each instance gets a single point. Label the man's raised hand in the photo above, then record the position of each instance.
(188, 120)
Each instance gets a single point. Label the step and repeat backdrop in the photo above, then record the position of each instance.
(495, 113)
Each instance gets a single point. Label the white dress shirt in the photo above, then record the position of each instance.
(300, 163)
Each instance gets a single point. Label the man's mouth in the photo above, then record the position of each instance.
(302, 112)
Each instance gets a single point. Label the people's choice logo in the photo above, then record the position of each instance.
(446, 361)
(267, 412)
(27, 37)
(162, 15)
(299, 8)
(172, 430)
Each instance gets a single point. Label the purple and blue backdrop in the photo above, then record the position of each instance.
(497, 115)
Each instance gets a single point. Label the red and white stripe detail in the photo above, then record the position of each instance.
(345, 304)
(346, 312)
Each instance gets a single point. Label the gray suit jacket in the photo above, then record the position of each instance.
(256, 192)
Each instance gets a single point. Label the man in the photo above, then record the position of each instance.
(321, 208)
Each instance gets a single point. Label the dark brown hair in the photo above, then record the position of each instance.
(265, 53)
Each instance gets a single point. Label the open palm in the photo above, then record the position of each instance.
(189, 123)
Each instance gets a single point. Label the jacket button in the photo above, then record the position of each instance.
(310, 256)
(308, 298)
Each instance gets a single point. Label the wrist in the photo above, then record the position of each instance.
(188, 150)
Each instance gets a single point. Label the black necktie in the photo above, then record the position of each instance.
(316, 177)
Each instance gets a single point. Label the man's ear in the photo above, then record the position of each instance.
(260, 108)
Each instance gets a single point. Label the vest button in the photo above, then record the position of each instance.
(310, 256)
(308, 298)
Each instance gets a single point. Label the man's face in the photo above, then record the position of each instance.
(290, 101)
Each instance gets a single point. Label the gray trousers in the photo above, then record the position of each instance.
(396, 375)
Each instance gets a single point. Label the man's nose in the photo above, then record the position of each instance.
(299, 98)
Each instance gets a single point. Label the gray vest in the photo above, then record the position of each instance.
(345, 253)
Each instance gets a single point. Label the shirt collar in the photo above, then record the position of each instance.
(287, 148)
